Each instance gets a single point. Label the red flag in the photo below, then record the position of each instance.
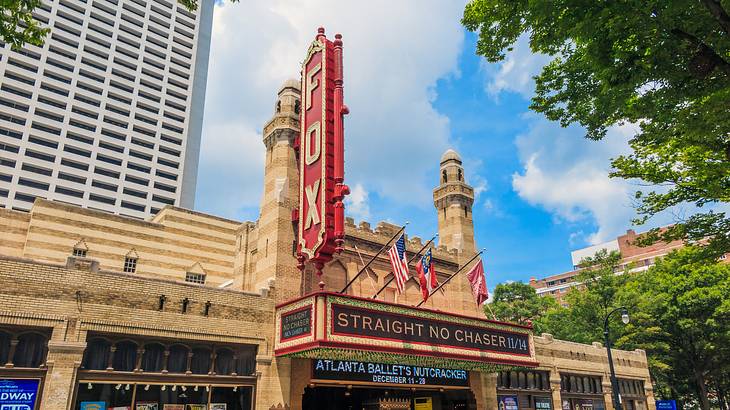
(426, 275)
(478, 283)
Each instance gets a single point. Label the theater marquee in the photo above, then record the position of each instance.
(338, 327)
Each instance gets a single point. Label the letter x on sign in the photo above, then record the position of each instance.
(312, 191)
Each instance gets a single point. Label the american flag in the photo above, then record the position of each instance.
(398, 261)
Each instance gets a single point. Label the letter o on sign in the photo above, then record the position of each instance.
(313, 143)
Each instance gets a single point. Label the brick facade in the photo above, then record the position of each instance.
(249, 267)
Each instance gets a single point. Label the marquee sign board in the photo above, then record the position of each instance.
(381, 373)
(321, 153)
(350, 328)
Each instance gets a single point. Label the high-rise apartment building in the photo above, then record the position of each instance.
(108, 113)
(633, 257)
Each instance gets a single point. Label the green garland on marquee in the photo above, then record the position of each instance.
(397, 358)
(404, 310)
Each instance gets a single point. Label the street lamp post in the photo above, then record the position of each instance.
(614, 382)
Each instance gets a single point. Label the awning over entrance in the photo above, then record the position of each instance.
(326, 325)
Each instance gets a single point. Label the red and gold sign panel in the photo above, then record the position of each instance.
(349, 328)
(321, 190)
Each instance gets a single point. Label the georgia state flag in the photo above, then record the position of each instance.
(426, 275)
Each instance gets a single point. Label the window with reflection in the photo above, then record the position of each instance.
(23, 348)
(580, 384)
(523, 380)
(156, 396)
(165, 357)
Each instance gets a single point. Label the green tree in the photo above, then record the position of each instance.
(661, 64)
(686, 308)
(600, 291)
(519, 303)
(17, 25)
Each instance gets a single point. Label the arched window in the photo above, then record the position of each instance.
(531, 380)
(125, 357)
(513, 380)
(224, 363)
(4, 347)
(443, 175)
(96, 356)
(153, 357)
(201, 360)
(278, 107)
(246, 361)
(459, 175)
(297, 107)
(466, 211)
(30, 350)
(178, 360)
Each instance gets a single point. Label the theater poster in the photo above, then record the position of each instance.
(18, 394)
(507, 403)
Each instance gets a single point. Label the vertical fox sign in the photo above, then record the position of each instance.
(321, 214)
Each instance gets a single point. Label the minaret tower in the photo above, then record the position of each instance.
(275, 245)
(453, 199)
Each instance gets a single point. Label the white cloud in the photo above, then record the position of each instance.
(516, 72)
(568, 176)
(394, 54)
(357, 203)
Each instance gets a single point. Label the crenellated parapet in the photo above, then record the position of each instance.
(366, 237)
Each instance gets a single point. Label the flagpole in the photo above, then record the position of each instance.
(409, 262)
(402, 228)
(455, 273)
(372, 282)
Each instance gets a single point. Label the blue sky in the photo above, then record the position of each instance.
(415, 88)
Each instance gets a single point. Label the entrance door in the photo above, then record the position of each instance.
(360, 398)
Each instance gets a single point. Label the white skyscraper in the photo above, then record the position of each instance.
(108, 113)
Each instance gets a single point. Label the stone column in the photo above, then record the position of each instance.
(64, 359)
(555, 389)
(607, 392)
(300, 377)
(484, 387)
(273, 386)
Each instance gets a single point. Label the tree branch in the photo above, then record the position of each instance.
(719, 13)
(703, 48)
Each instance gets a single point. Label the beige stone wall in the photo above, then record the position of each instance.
(558, 356)
(72, 302)
(168, 246)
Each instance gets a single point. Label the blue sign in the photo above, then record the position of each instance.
(666, 405)
(18, 394)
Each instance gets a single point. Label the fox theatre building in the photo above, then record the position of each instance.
(300, 309)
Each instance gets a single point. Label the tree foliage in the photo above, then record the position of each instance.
(17, 25)
(680, 315)
(518, 303)
(686, 303)
(661, 64)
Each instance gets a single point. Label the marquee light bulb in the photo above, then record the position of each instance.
(174, 387)
(235, 388)
(147, 387)
(88, 386)
(126, 387)
(207, 388)
(196, 388)
(184, 388)
(118, 386)
(164, 387)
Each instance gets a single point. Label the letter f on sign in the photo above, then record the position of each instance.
(311, 85)
(312, 191)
